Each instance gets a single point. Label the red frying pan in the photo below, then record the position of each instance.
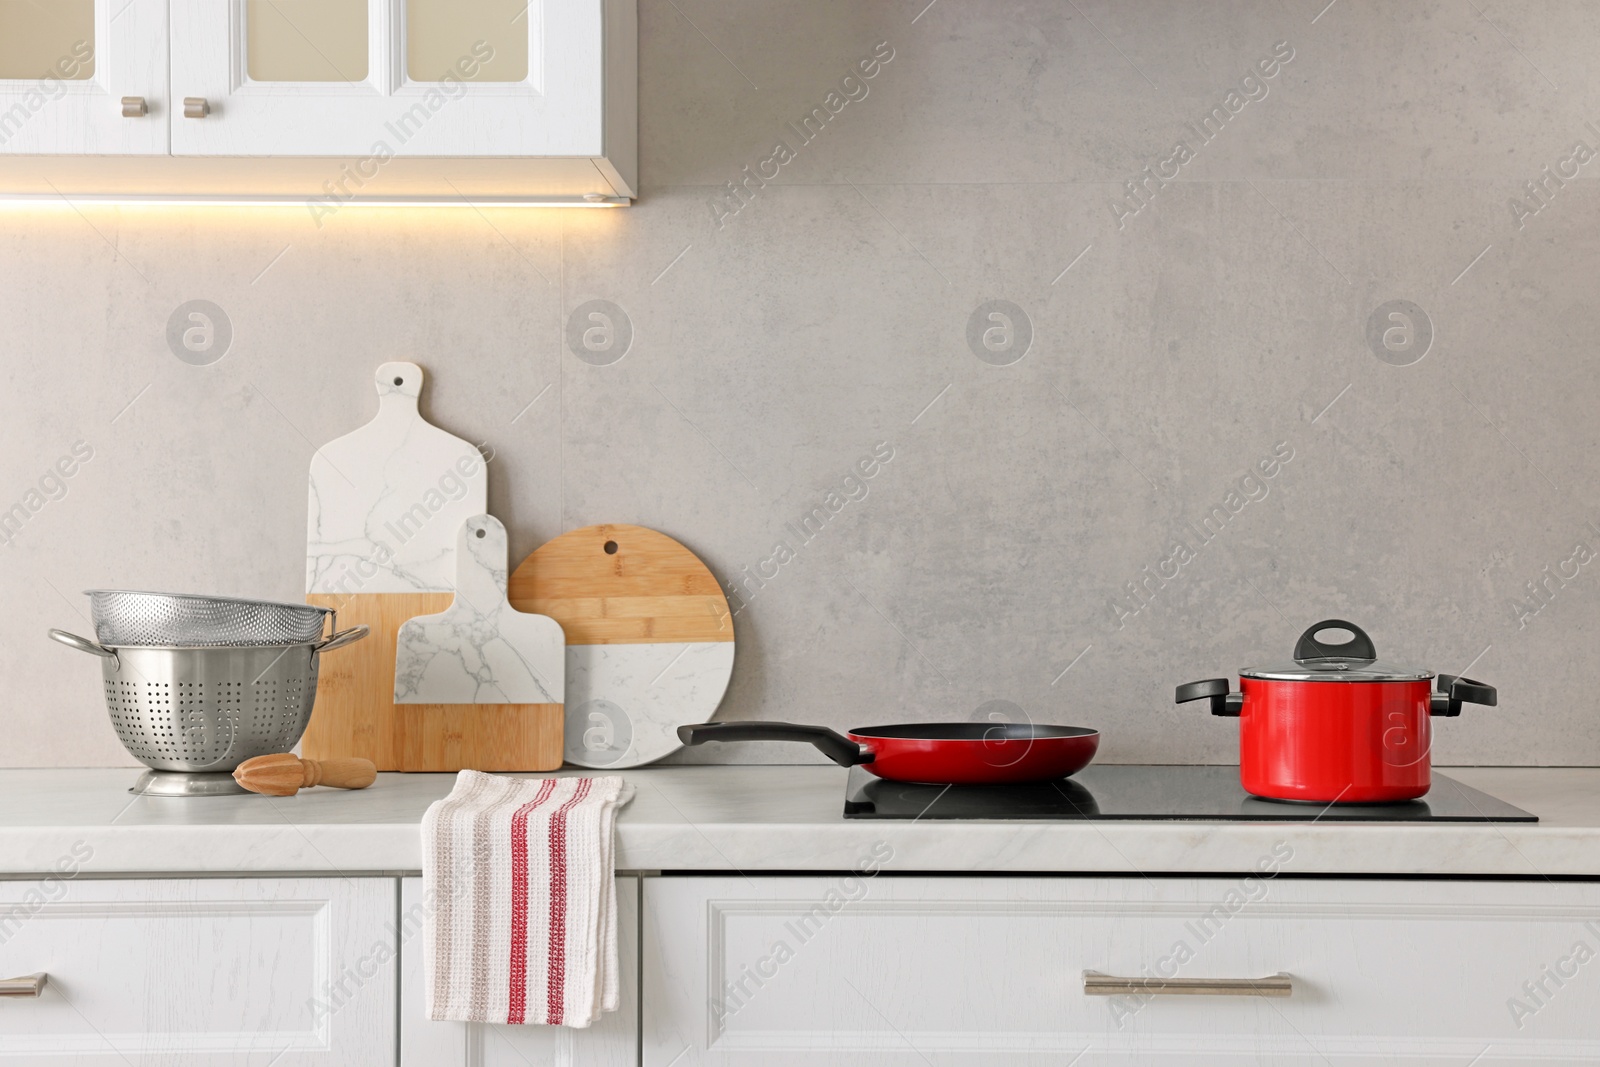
(949, 753)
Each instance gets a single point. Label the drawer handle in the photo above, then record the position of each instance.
(196, 107)
(134, 107)
(31, 985)
(1096, 984)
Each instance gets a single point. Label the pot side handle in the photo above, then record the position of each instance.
(1455, 691)
(1214, 689)
(834, 745)
(82, 644)
(342, 638)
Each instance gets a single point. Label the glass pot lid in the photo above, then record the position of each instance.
(1322, 655)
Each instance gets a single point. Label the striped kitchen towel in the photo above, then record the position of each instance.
(521, 922)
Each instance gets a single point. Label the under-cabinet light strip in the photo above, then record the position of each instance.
(118, 199)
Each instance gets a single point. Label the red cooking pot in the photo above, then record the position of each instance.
(1336, 726)
(938, 753)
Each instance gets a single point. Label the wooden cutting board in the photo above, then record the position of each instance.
(386, 503)
(649, 639)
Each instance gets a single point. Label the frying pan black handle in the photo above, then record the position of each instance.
(1358, 647)
(1215, 690)
(1455, 691)
(834, 745)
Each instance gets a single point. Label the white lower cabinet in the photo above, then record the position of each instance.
(842, 971)
(850, 971)
(612, 1042)
(200, 972)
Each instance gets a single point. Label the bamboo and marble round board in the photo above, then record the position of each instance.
(649, 639)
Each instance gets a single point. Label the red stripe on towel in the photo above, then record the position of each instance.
(519, 903)
(558, 904)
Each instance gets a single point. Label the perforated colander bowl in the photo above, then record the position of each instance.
(132, 617)
(209, 709)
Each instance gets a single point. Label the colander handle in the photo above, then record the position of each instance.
(338, 640)
(82, 644)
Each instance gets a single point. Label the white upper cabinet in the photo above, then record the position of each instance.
(289, 99)
(66, 67)
(417, 77)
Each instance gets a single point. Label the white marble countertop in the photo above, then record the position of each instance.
(769, 818)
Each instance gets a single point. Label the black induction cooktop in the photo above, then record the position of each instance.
(1128, 791)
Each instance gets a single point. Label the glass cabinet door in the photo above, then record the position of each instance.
(373, 79)
(83, 77)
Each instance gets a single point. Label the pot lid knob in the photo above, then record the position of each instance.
(1359, 647)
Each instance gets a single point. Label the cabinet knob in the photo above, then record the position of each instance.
(30, 985)
(134, 107)
(195, 107)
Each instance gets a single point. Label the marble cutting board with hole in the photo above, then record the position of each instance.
(387, 498)
(480, 650)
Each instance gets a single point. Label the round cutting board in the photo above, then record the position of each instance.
(649, 639)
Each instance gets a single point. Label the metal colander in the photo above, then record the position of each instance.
(209, 709)
(125, 617)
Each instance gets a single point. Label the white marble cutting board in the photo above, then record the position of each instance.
(481, 650)
(387, 500)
